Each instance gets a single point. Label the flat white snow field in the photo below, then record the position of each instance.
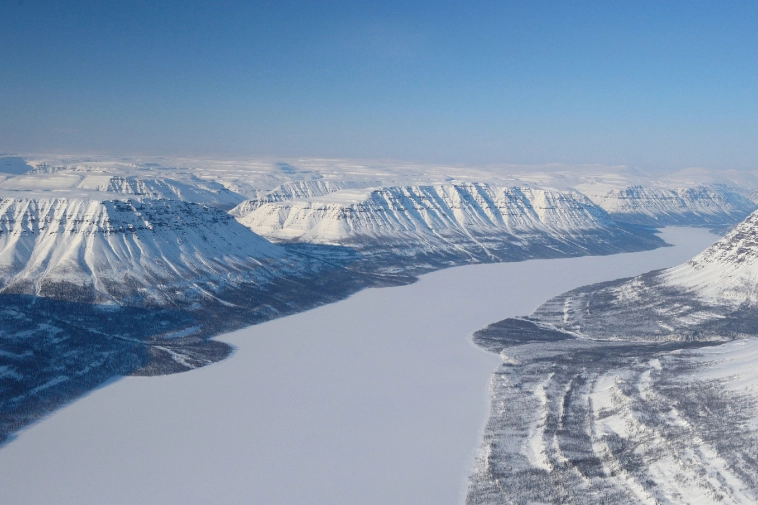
(380, 398)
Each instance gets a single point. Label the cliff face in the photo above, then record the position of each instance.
(477, 221)
(692, 206)
(125, 252)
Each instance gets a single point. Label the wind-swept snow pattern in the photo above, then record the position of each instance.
(630, 391)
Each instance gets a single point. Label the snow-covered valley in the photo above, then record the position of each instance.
(379, 398)
(112, 267)
(128, 267)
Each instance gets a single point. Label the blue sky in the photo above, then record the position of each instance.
(648, 84)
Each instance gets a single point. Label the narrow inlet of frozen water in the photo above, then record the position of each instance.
(377, 399)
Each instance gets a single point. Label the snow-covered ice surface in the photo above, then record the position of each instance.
(379, 398)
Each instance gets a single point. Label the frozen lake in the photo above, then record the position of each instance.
(380, 398)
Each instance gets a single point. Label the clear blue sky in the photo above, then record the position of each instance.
(649, 84)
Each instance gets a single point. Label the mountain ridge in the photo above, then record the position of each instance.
(125, 251)
(470, 222)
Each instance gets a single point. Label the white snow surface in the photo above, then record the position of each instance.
(422, 213)
(109, 246)
(733, 364)
(726, 272)
(377, 399)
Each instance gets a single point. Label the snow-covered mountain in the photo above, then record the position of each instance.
(726, 272)
(479, 221)
(692, 196)
(92, 185)
(130, 252)
(712, 297)
(299, 190)
(636, 390)
(688, 206)
(206, 193)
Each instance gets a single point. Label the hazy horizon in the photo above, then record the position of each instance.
(653, 85)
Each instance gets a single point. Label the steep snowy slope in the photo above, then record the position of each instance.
(661, 206)
(726, 272)
(478, 221)
(299, 190)
(308, 189)
(127, 252)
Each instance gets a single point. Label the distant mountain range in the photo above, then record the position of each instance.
(443, 224)
(691, 206)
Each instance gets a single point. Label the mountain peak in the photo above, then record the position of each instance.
(726, 272)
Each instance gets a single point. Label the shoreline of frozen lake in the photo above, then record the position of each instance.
(379, 398)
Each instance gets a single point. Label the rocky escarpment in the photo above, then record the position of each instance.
(694, 206)
(447, 224)
(207, 193)
(298, 190)
(127, 252)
